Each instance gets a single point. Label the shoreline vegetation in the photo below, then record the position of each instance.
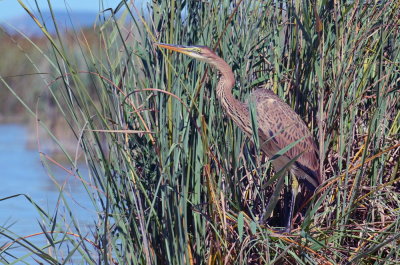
(29, 75)
(173, 181)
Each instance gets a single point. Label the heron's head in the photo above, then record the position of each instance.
(201, 53)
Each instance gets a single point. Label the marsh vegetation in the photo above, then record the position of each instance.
(174, 181)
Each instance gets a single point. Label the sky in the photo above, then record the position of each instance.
(11, 8)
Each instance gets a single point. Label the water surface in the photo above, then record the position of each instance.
(22, 172)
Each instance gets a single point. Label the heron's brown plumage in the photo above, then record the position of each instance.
(277, 120)
(278, 124)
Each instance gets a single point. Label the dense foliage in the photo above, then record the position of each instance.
(176, 182)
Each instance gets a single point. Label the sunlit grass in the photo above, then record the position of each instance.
(176, 182)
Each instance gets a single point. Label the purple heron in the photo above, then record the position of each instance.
(278, 124)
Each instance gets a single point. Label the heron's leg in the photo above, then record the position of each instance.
(295, 190)
(273, 200)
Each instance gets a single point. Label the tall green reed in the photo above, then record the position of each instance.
(178, 183)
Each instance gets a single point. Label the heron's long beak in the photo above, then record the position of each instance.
(178, 48)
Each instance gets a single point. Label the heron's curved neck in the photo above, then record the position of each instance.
(236, 110)
(226, 81)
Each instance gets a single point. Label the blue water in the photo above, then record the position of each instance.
(22, 172)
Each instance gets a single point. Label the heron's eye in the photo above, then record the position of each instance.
(197, 50)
